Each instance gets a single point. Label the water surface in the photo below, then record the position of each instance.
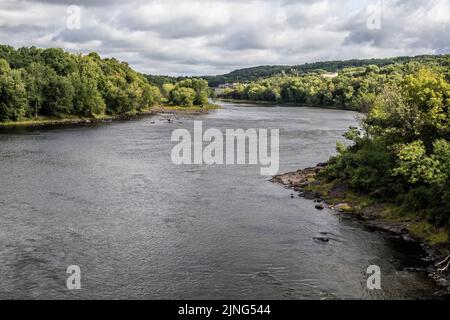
(108, 198)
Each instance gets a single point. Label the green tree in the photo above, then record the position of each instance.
(62, 62)
(13, 95)
(200, 88)
(37, 78)
(58, 97)
(4, 67)
(87, 100)
(183, 96)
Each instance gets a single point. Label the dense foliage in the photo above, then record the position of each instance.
(159, 80)
(353, 88)
(51, 82)
(256, 73)
(401, 152)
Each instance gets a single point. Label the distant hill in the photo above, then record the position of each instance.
(255, 73)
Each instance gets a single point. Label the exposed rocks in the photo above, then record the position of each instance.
(322, 239)
(298, 179)
(343, 207)
(302, 180)
(309, 195)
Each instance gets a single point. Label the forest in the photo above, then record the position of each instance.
(353, 88)
(54, 83)
(401, 152)
(256, 73)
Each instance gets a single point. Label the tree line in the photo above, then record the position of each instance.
(54, 83)
(401, 152)
(256, 73)
(353, 88)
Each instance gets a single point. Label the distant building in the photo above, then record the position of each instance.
(330, 75)
(227, 85)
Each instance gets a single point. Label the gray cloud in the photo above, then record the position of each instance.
(209, 37)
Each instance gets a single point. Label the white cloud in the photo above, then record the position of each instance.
(209, 37)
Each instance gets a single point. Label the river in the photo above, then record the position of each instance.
(107, 198)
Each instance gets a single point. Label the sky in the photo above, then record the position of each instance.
(210, 37)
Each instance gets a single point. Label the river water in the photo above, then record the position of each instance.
(107, 198)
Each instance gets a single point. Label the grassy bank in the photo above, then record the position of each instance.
(388, 216)
(73, 120)
(48, 121)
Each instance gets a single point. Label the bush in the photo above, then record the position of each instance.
(182, 96)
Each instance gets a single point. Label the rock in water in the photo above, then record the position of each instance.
(322, 239)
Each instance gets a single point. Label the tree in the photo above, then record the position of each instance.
(87, 100)
(404, 150)
(62, 62)
(36, 78)
(58, 97)
(116, 98)
(59, 84)
(200, 88)
(4, 67)
(419, 167)
(166, 89)
(13, 95)
(151, 96)
(183, 96)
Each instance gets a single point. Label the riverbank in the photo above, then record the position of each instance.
(284, 104)
(73, 120)
(375, 215)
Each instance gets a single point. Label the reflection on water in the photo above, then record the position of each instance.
(108, 198)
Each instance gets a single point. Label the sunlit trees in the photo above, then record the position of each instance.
(87, 100)
(62, 62)
(403, 151)
(151, 96)
(36, 77)
(183, 96)
(4, 67)
(354, 88)
(116, 98)
(189, 92)
(13, 94)
(166, 88)
(60, 84)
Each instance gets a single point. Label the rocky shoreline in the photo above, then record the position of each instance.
(306, 183)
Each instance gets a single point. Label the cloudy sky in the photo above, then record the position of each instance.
(200, 37)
